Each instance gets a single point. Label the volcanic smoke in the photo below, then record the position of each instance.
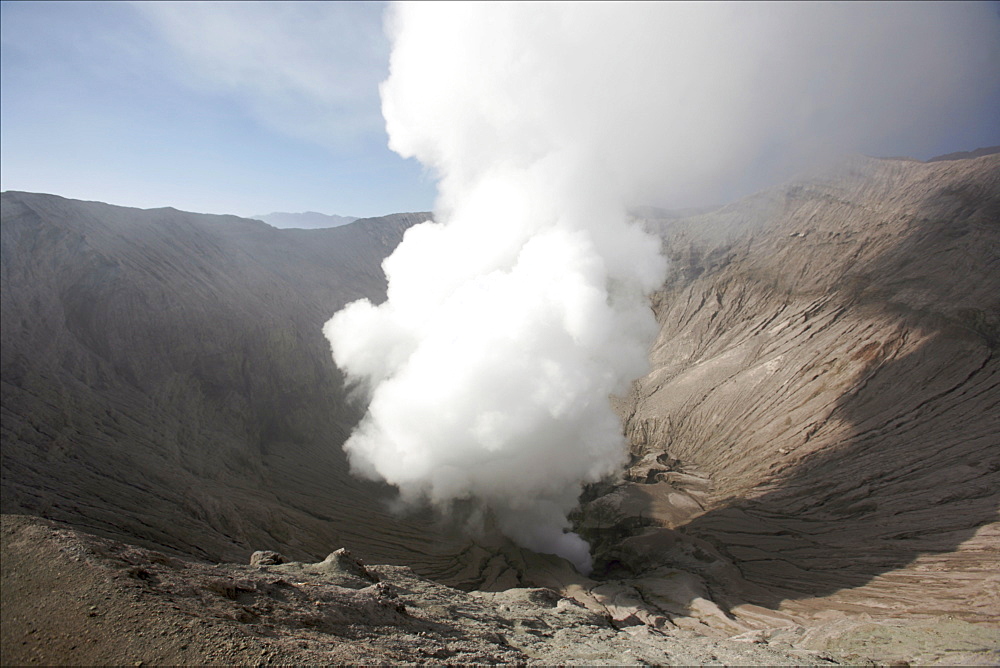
(513, 317)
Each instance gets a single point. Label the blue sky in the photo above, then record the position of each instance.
(242, 108)
(212, 108)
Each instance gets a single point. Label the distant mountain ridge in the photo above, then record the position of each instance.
(965, 155)
(308, 220)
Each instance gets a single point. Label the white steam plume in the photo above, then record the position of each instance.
(511, 320)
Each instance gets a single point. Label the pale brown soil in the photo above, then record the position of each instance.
(74, 599)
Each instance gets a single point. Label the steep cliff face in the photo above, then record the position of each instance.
(165, 377)
(828, 359)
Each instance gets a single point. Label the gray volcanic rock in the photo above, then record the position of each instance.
(340, 567)
(266, 558)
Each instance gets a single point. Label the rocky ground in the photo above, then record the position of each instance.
(71, 598)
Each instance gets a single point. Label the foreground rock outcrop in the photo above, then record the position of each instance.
(119, 604)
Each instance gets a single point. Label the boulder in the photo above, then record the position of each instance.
(266, 558)
(342, 562)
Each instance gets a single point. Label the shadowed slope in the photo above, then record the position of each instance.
(165, 378)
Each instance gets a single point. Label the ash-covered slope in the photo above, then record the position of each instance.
(165, 378)
(817, 439)
(828, 359)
